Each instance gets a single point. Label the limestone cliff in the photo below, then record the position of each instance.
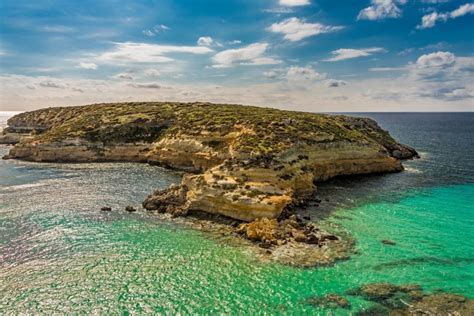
(244, 162)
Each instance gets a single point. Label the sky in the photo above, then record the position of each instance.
(307, 55)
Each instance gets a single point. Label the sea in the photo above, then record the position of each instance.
(60, 254)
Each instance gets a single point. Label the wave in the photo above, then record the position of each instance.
(424, 155)
(19, 187)
(412, 170)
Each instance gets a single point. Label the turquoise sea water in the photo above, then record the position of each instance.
(59, 253)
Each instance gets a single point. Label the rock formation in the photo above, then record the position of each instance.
(242, 162)
(410, 299)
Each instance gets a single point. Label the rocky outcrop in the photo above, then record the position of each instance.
(78, 150)
(243, 162)
(372, 129)
(269, 232)
(410, 299)
(290, 242)
(172, 200)
(264, 186)
(10, 138)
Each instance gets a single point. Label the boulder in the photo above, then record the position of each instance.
(171, 200)
(130, 209)
(263, 230)
(388, 242)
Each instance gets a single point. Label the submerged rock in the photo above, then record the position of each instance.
(296, 243)
(375, 310)
(329, 301)
(443, 304)
(378, 291)
(411, 300)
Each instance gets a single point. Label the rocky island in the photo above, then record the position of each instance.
(248, 164)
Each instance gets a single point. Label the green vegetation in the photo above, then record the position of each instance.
(262, 130)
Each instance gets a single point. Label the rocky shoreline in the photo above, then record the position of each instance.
(252, 165)
(293, 241)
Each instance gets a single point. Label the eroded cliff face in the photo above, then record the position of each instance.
(264, 186)
(245, 162)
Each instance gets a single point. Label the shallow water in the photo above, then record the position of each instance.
(59, 253)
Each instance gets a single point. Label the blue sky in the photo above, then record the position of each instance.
(311, 55)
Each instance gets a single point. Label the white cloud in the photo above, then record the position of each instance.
(148, 33)
(349, 53)
(123, 76)
(234, 42)
(129, 52)
(399, 93)
(381, 9)
(272, 74)
(389, 69)
(296, 73)
(438, 59)
(462, 10)
(279, 10)
(90, 66)
(434, 1)
(443, 76)
(300, 75)
(331, 83)
(52, 84)
(460, 93)
(151, 85)
(295, 29)
(293, 3)
(249, 55)
(205, 41)
(58, 29)
(261, 61)
(152, 73)
(160, 28)
(429, 20)
(430, 47)
(157, 29)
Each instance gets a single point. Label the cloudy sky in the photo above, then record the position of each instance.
(311, 55)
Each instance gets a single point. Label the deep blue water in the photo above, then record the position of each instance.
(445, 142)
